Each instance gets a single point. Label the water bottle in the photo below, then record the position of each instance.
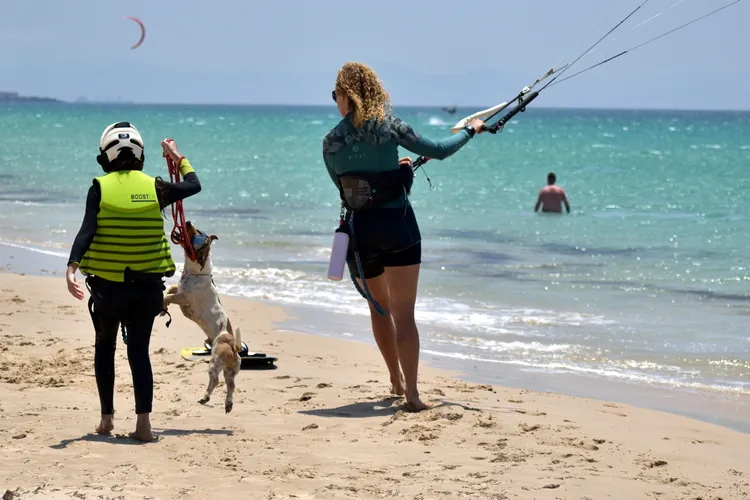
(338, 254)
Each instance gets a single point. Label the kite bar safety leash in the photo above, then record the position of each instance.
(179, 231)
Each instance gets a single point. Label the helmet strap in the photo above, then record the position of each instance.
(103, 161)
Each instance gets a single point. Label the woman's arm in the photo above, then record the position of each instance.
(88, 227)
(328, 160)
(332, 142)
(407, 138)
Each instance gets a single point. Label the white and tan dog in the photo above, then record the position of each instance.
(198, 298)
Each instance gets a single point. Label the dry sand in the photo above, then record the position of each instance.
(321, 425)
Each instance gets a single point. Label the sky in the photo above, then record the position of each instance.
(427, 52)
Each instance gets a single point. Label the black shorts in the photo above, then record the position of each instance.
(385, 237)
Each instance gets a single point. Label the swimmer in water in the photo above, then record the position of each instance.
(551, 197)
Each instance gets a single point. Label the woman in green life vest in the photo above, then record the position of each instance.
(125, 255)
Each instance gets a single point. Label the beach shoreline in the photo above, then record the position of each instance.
(726, 409)
(322, 424)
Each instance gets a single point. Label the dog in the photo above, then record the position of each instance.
(198, 298)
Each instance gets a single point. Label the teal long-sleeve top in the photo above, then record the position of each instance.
(373, 148)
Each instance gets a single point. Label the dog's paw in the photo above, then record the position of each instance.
(204, 400)
(228, 406)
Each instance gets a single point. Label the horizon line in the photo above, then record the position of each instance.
(402, 106)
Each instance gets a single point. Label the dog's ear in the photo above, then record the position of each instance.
(213, 237)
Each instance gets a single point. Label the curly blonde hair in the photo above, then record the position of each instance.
(365, 91)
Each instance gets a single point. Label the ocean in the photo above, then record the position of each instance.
(641, 294)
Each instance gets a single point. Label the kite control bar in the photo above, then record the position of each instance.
(498, 125)
(523, 98)
(520, 108)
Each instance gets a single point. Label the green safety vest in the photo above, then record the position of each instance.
(129, 229)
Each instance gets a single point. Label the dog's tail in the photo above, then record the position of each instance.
(237, 340)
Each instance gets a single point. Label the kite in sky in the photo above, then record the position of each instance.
(143, 30)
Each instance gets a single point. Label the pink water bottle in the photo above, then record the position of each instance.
(338, 254)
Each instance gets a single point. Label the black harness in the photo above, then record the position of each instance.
(364, 191)
(130, 277)
(361, 191)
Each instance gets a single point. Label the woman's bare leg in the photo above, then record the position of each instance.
(402, 288)
(384, 331)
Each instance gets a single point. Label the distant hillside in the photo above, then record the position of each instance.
(15, 97)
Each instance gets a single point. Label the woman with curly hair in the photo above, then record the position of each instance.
(361, 156)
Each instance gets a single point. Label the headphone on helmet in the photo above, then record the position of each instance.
(118, 138)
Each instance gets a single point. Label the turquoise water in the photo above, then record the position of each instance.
(646, 282)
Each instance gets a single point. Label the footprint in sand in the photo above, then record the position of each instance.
(578, 443)
(307, 396)
(453, 417)
(528, 428)
(486, 424)
(650, 464)
(420, 432)
(530, 413)
(323, 385)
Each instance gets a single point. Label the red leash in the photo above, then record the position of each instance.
(179, 231)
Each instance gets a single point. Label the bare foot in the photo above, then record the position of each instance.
(143, 429)
(145, 436)
(414, 405)
(106, 425)
(398, 387)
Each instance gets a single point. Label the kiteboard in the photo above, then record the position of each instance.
(249, 359)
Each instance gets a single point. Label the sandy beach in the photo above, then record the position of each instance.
(321, 425)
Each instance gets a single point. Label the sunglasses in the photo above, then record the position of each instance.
(199, 240)
(333, 95)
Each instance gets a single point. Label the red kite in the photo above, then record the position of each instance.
(143, 30)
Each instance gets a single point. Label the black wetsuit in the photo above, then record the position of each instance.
(134, 303)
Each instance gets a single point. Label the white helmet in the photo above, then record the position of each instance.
(119, 136)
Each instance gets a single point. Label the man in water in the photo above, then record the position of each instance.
(551, 197)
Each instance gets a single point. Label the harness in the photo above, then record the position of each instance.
(364, 191)
(130, 277)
